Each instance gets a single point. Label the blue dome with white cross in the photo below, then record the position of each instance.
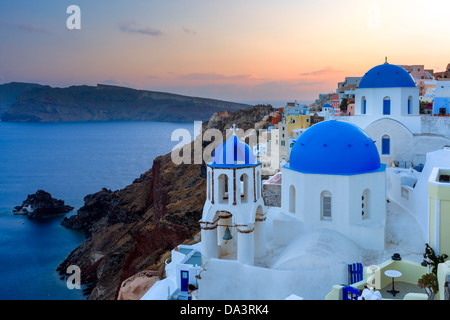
(387, 76)
(233, 153)
(335, 148)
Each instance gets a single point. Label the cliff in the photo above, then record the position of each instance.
(132, 229)
(108, 103)
(10, 91)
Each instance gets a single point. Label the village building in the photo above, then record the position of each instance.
(360, 193)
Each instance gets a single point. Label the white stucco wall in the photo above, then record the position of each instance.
(256, 283)
(346, 200)
(399, 101)
(401, 139)
(408, 142)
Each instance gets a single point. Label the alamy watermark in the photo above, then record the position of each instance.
(74, 20)
(74, 279)
(192, 150)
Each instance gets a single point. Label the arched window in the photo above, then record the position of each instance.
(387, 106)
(209, 185)
(325, 205)
(410, 105)
(292, 199)
(365, 204)
(244, 188)
(363, 105)
(258, 185)
(386, 145)
(223, 188)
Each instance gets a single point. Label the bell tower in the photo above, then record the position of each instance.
(233, 219)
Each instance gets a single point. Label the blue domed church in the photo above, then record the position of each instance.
(233, 219)
(387, 108)
(334, 180)
(387, 90)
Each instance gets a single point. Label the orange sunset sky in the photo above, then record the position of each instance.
(247, 50)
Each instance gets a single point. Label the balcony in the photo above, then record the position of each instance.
(406, 284)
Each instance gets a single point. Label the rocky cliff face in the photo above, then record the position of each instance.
(105, 103)
(10, 91)
(130, 230)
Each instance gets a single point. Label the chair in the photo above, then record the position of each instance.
(355, 273)
(350, 293)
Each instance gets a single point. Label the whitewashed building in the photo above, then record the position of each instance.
(233, 220)
(335, 180)
(387, 108)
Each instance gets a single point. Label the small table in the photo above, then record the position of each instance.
(393, 274)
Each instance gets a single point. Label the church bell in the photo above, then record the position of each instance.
(227, 236)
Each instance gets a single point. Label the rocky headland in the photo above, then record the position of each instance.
(10, 91)
(105, 103)
(41, 205)
(132, 230)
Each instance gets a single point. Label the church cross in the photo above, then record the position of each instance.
(233, 128)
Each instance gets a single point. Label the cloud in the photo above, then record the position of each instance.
(133, 27)
(189, 31)
(324, 71)
(212, 76)
(31, 28)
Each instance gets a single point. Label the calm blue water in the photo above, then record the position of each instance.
(69, 160)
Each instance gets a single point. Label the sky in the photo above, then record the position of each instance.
(237, 50)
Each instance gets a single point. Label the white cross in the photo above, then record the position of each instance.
(234, 129)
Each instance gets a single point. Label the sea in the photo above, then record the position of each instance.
(70, 161)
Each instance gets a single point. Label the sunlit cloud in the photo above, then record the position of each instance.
(325, 71)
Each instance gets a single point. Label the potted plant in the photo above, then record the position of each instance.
(429, 282)
(431, 259)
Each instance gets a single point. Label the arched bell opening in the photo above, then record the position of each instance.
(226, 234)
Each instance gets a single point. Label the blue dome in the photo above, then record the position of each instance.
(387, 76)
(336, 148)
(233, 153)
(326, 105)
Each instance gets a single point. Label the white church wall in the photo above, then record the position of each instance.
(346, 201)
(426, 134)
(401, 140)
(292, 207)
(308, 190)
(375, 184)
(398, 97)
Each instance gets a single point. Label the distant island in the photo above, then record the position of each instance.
(41, 205)
(26, 102)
